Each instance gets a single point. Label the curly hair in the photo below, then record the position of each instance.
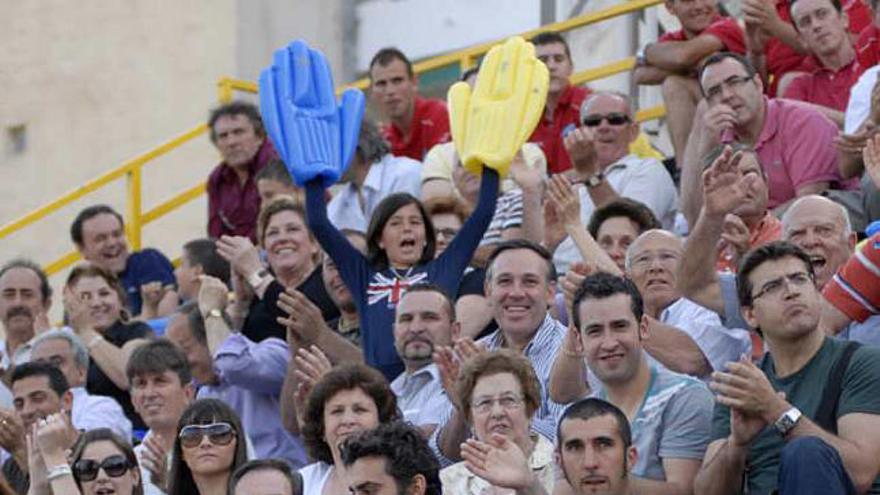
(338, 379)
(493, 363)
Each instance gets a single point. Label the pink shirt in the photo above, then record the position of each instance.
(796, 148)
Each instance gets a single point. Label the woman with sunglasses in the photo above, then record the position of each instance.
(210, 445)
(103, 461)
(348, 399)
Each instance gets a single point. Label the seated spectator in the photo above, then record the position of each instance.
(265, 477)
(293, 259)
(673, 60)
(345, 401)
(794, 143)
(400, 252)
(161, 389)
(562, 109)
(597, 432)
(199, 258)
(66, 352)
(868, 43)
(226, 365)
(94, 307)
(100, 458)
(348, 324)
(493, 389)
(602, 162)
(147, 276)
(233, 201)
(374, 173)
(671, 412)
(520, 285)
(617, 224)
(25, 300)
(796, 439)
(774, 47)
(208, 448)
(424, 320)
(390, 459)
(274, 180)
(834, 67)
(39, 390)
(414, 124)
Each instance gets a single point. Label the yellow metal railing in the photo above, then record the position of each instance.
(136, 218)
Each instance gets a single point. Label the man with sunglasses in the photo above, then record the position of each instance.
(605, 169)
(806, 420)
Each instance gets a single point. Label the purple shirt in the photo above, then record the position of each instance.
(250, 379)
(233, 207)
(796, 148)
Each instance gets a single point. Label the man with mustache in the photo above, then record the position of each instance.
(25, 299)
(424, 320)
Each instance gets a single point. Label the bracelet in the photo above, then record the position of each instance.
(59, 471)
(92, 343)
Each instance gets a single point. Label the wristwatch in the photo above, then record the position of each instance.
(214, 313)
(594, 180)
(788, 421)
(256, 278)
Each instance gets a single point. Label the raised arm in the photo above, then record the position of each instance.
(682, 56)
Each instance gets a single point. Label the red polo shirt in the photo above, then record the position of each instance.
(781, 58)
(868, 47)
(725, 29)
(825, 87)
(233, 207)
(430, 126)
(550, 133)
(859, 15)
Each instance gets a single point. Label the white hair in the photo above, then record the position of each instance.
(627, 262)
(786, 217)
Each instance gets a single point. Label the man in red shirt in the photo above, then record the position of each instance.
(563, 108)
(414, 124)
(834, 68)
(233, 200)
(673, 61)
(868, 44)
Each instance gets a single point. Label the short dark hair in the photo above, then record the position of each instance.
(432, 287)
(635, 211)
(260, 465)
(549, 38)
(834, 3)
(45, 288)
(57, 381)
(231, 109)
(592, 407)
(76, 228)
(203, 252)
(195, 320)
(405, 451)
(387, 55)
(517, 244)
(717, 58)
(158, 356)
(89, 437)
(386, 208)
(276, 170)
(756, 257)
(602, 285)
(372, 146)
(344, 377)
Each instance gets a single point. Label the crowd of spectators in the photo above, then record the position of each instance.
(598, 321)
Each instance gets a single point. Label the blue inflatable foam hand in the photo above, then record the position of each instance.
(313, 136)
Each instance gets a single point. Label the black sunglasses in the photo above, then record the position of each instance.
(115, 466)
(614, 118)
(217, 433)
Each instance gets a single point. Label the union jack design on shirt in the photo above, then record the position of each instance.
(392, 288)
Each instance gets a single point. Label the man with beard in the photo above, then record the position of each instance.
(670, 412)
(424, 319)
(25, 299)
(806, 420)
(374, 174)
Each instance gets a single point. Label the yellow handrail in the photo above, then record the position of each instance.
(132, 169)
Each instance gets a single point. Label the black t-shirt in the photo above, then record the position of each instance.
(98, 383)
(261, 320)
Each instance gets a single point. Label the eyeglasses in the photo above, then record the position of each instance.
(615, 118)
(507, 402)
(774, 287)
(448, 233)
(732, 82)
(115, 466)
(218, 433)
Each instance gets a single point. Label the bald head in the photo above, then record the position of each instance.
(653, 237)
(815, 206)
(619, 101)
(652, 264)
(822, 228)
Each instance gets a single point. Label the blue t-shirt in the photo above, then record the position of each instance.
(144, 266)
(376, 292)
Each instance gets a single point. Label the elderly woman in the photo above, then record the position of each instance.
(498, 392)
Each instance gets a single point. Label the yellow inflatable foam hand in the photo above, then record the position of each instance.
(492, 122)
